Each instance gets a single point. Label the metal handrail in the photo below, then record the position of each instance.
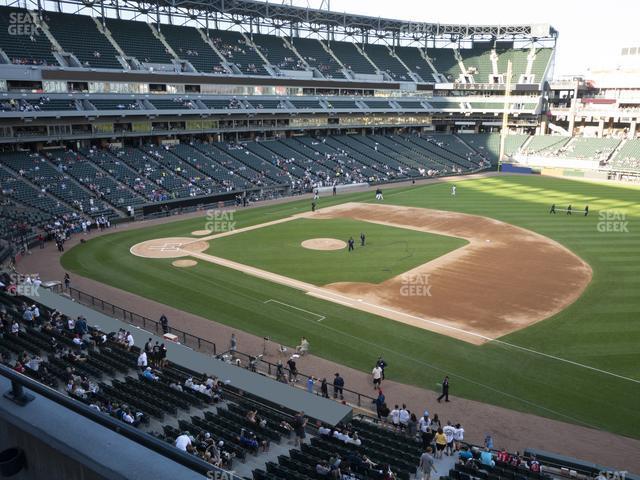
(17, 394)
(98, 304)
(268, 368)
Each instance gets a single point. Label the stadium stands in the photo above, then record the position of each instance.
(312, 51)
(545, 144)
(22, 41)
(477, 61)
(351, 57)
(488, 144)
(444, 61)
(189, 45)
(627, 158)
(589, 148)
(235, 49)
(412, 58)
(277, 52)
(137, 40)
(84, 40)
(386, 62)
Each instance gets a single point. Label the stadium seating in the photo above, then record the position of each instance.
(488, 144)
(84, 40)
(137, 40)
(277, 52)
(351, 58)
(312, 51)
(413, 59)
(477, 61)
(386, 62)
(189, 45)
(589, 148)
(545, 144)
(518, 56)
(444, 61)
(234, 48)
(541, 63)
(26, 46)
(627, 157)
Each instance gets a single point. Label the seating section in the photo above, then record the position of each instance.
(519, 60)
(413, 59)
(312, 51)
(343, 104)
(628, 157)
(79, 35)
(444, 61)
(477, 61)
(488, 144)
(351, 58)
(590, 148)
(545, 144)
(189, 45)
(541, 63)
(137, 40)
(277, 52)
(24, 44)
(235, 49)
(386, 62)
(55, 182)
(84, 40)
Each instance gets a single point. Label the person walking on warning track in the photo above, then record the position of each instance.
(553, 209)
(233, 345)
(445, 390)
(351, 244)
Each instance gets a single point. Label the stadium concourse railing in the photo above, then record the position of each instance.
(252, 362)
(154, 326)
(281, 373)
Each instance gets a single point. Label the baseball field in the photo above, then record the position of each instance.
(521, 308)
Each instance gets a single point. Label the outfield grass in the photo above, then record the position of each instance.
(601, 329)
(388, 251)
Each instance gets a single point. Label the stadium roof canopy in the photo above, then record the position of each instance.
(286, 16)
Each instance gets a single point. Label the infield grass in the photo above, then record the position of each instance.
(388, 251)
(600, 330)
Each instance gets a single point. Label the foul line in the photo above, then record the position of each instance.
(320, 317)
(501, 342)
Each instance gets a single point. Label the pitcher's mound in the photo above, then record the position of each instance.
(184, 263)
(324, 244)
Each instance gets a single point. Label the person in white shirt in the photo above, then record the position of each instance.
(129, 340)
(183, 441)
(395, 417)
(458, 436)
(424, 423)
(71, 324)
(354, 440)
(324, 431)
(449, 432)
(404, 417)
(377, 377)
(142, 360)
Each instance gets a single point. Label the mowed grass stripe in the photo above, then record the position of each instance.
(587, 332)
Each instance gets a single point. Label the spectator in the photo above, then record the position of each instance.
(426, 465)
(183, 441)
(338, 386)
(486, 458)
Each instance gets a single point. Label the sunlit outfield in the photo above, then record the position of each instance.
(600, 330)
(388, 251)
